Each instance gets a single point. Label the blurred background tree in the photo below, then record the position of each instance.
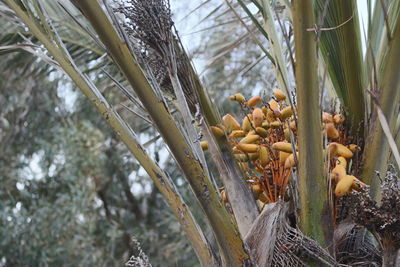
(70, 191)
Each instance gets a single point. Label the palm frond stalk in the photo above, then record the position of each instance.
(243, 204)
(377, 150)
(383, 24)
(276, 48)
(315, 218)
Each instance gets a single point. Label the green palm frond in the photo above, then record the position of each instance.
(80, 44)
(339, 38)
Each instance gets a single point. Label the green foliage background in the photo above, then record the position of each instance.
(65, 182)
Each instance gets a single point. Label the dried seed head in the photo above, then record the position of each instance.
(149, 21)
(149, 24)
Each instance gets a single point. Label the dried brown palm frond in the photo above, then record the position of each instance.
(355, 246)
(280, 244)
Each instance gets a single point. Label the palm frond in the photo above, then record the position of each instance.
(339, 38)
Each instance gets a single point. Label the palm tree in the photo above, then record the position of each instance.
(146, 49)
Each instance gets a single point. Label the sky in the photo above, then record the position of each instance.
(363, 13)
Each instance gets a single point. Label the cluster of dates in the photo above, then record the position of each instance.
(264, 143)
